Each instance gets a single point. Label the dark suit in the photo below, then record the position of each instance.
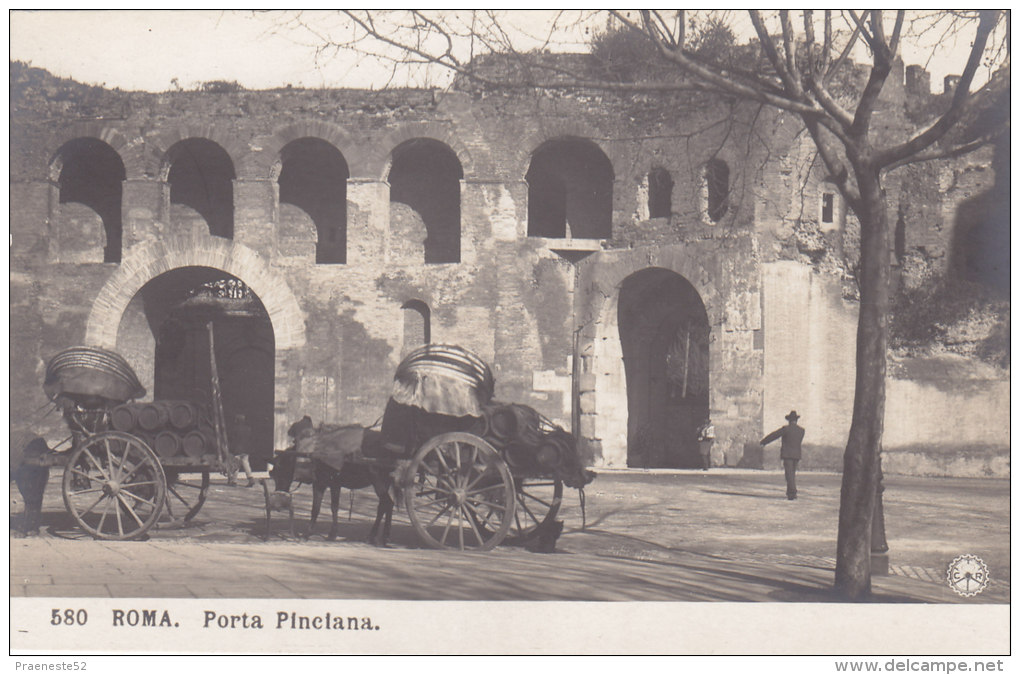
(789, 452)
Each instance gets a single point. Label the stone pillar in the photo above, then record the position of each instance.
(368, 217)
(490, 210)
(30, 202)
(254, 205)
(140, 210)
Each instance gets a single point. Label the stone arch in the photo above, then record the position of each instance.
(417, 324)
(379, 161)
(312, 183)
(664, 336)
(156, 258)
(198, 175)
(602, 404)
(570, 190)
(425, 181)
(534, 139)
(162, 141)
(264, 164)
(89, 177)
(152, 259)
(131, 151)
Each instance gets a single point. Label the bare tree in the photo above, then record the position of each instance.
(801, 65)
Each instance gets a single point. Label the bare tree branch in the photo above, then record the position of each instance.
(817, 88)
(790, 49)
(960, 96)
(844, 55)
(720, 81)
(957, 150)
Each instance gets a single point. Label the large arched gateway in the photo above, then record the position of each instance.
(174, 324)
(664, 332)
(154, 311)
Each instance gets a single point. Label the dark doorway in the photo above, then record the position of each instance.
(179, 307)
(664, 334)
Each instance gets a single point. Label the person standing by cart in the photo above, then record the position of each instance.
(789, 452)
(706, 435)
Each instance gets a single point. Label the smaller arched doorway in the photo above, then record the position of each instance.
(664, 334)
(168, 325)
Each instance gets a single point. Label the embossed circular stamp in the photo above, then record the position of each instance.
(967, 575)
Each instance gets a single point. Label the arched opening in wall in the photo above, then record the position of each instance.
(570, 191)
(201, 180)
(660, 193)
(417, 325)
(170, 324)
(92, 173)
(425, 178)
(664, 334)
(717, 188)
(313, 178)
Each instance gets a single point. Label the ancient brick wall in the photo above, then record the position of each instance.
(544, 311)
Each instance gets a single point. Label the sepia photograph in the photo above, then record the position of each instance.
(511, 332)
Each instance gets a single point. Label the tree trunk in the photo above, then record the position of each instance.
(861, 460)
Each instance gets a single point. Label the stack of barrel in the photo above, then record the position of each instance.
(171, 428)
(529, 443)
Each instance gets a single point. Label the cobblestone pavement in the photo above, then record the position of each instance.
(724, 534)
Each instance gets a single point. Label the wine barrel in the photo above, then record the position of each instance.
(152, 416)
(552, 450)
(123, 417)
(197, 443)
(520, 456)
(183, 414)
(515, 422)
(167, 444)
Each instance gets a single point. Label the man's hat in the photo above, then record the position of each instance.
(793, 416)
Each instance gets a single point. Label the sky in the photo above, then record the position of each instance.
(147, 50)
(153, 50)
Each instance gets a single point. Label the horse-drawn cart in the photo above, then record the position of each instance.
(127, 462)
(472, 472)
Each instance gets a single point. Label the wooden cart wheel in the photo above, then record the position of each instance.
(538, 503)
(114, 486)
(462, 494)
(184, 497)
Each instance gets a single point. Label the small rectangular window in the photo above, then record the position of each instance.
(827, 207)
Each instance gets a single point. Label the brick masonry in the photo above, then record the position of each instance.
(543, 312)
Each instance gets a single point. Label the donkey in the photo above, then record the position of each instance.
(353, 476)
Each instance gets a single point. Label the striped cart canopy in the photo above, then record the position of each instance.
(85, 373)
(444, 379)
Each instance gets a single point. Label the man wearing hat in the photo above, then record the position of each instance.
(789, 452)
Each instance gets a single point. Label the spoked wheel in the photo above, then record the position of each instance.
(538, 503)
(462, 495)
(114, 486)
(185, 496)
